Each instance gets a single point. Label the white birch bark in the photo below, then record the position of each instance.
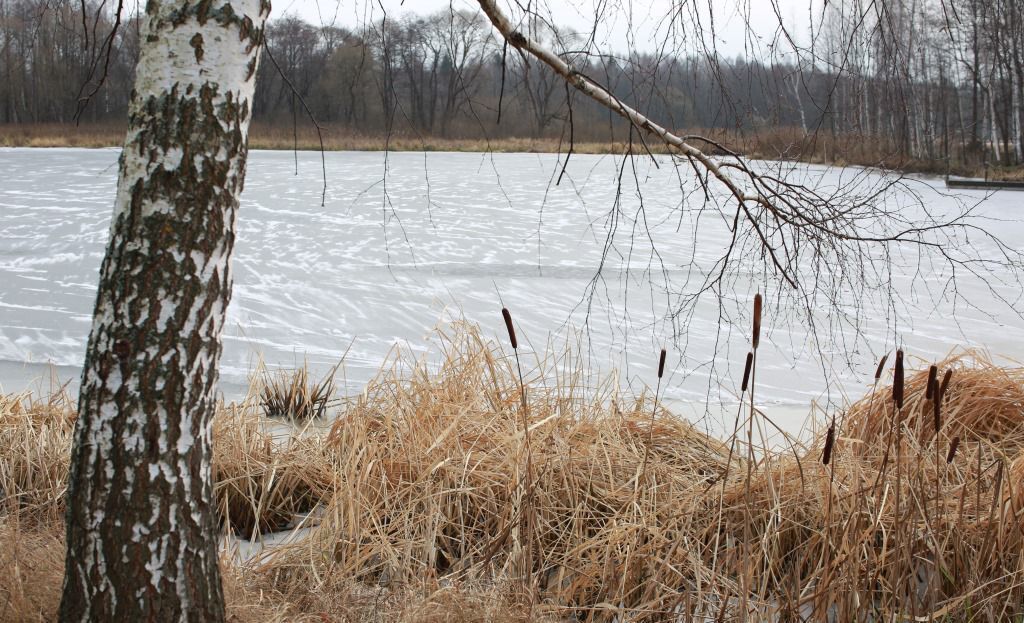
(141, 526)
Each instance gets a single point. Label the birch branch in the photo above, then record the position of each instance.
(854, 231)
(599, 94)
(602, 96)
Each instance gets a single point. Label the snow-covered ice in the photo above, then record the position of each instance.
(409, 240)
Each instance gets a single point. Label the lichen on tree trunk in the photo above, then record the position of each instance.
(141, 526)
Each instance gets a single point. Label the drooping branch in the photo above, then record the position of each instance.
(645, 125)
(793, 225)
(601, 95)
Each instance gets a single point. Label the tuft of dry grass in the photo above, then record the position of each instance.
(35, 442)
(295, 396)
(423, 508)
(433, 480)
(980, 402)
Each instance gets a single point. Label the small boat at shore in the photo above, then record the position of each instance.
(983, 184)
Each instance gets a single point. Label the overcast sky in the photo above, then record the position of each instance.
(625, 24)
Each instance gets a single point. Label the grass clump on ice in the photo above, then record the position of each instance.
(294, 396)
(421, 512)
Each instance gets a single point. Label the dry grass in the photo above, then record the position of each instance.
(294, 396)
(61, 135)
(31, 569)
(423, 515)
(264, 477)
(981, 403)
(35, 442)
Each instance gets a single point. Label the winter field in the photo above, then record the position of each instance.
(411, 240)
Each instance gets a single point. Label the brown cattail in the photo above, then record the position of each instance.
(661, 364)
(830, 439)
(936, 403)
(929, 390)
(945, 383)
(953, 445)
(508, 325)
(746, 371)
(881, 366)
(897, 381)
(757, 320)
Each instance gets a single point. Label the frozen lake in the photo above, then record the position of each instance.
(412, 240)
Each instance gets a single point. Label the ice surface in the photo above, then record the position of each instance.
(414, 239)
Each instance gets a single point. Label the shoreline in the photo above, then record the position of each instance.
(40, 381)
(778, 144)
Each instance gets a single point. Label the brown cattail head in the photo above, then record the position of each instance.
(929, 390)
(661, 364)
(746, 371)
(945, 383)
(881, 366)
(933, 385)
(508, 326)
(953, 445)
(897, 380)
(830, 440)
(757, 320)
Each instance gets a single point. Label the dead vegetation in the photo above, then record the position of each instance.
(421, 509)
(295, 396)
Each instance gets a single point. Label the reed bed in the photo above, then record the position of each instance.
(35, 446)
(421, 500)
(982, 402)
(265, 474)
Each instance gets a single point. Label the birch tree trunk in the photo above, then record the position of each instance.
(141, 526)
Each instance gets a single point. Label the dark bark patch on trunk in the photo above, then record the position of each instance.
(197, 44)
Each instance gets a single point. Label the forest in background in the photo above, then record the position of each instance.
(932, 85)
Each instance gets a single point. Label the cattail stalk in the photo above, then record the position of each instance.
(940, 394)
(755, 340)
(830, 438)
(507, 315)
(953, 445)
(881, 366)
(897, 381)
(897, 397)
(874, 386)
(945, 383)
(757, 320)
(932, 395)
(746, 372)
(826, 458)
(528, 563)
(650, 432)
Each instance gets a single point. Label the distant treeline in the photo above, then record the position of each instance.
(933, 80)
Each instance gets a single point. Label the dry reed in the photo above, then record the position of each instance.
(295, 396)
(35, 442)
(419, 506)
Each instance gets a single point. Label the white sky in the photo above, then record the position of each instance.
(626, 24)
